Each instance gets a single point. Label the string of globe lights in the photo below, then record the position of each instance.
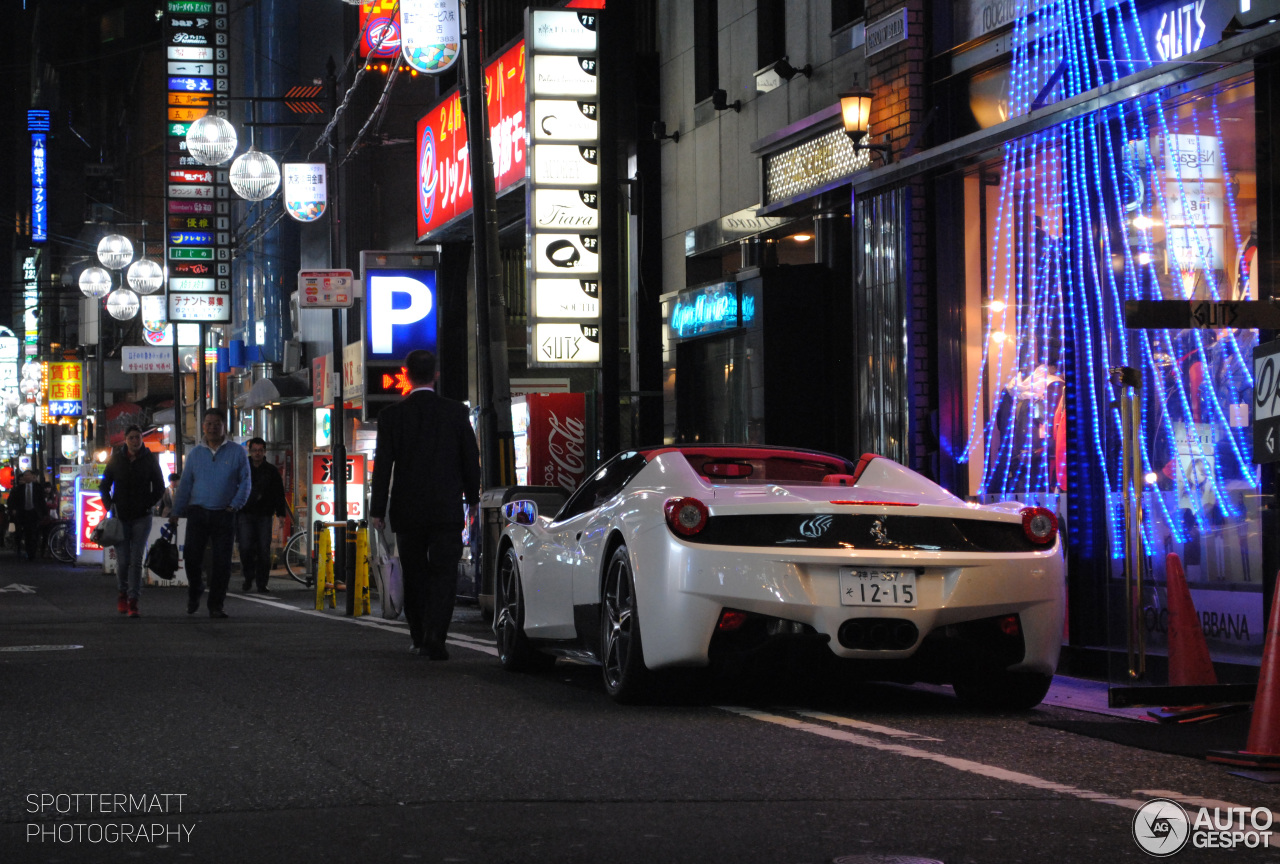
(143, 276)
(221, 138)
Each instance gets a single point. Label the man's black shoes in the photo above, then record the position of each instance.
(192, 606)
(218, 613)
(437, 652)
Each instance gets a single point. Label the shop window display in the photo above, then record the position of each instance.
(1150, 199)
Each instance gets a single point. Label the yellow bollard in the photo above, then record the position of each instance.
(362, 571)
(324, 573)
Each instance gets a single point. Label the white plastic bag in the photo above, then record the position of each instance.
(385, 568)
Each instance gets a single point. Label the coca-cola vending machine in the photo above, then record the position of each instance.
(555, 440)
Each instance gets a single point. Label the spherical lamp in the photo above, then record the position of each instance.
(145, 276)
(29, 387)
(95, 282)
(26, 411)
(255, 175)
(115, 251)
(123, 304)
(211, 140)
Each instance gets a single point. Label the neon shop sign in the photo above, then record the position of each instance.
(710, 310)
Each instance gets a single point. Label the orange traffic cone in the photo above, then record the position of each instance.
(1189, 663)
(1263, 747)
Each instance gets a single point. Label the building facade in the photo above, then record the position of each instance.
(1046, 163)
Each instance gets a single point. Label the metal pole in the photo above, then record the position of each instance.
(1132, 480)
(497, 442)
(178, 407)
(339, 421)
(99, 432)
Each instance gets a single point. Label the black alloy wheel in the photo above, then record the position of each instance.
(626, 678)
(514, 651)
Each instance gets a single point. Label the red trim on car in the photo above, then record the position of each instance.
(879, 503)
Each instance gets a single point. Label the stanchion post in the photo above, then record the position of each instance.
(360, 582)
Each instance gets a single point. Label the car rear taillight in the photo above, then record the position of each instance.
(1040, 525)
(686, 516)
(731, 619)
(1009, 625)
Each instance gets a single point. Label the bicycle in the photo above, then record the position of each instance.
(62, 542)
(296, 557)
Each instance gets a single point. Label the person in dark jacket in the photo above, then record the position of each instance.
(253, 522)
(426, 444)
(28, 506)
(131, 485)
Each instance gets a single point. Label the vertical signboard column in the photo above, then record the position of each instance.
(197, 196)
(563, 224)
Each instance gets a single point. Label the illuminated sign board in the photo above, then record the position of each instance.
(39, 190)
(400, 313)
(206, 308)
(566, 254)
(30, 303)
(565, 209)
(326, 289)
(9, 353)
(562, 215)
(713, 309)
(444, 158)
(564, 32)
(564, 76)
(567, 298)
(196, 38)
(65, 389)
(380, 29)
(156, 329)
(577, 344)
(38, 126)
(305, 190)
(564, 120)
(430, 33)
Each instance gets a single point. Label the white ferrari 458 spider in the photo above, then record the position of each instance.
(677, 556)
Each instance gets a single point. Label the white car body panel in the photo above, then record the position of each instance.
(682, 587)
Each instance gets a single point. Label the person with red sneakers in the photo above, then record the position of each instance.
(132, 484)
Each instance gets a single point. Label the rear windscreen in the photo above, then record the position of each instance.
(765, 467)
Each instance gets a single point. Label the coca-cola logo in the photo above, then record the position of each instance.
(564, 443)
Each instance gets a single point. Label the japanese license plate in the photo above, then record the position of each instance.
(877, 587)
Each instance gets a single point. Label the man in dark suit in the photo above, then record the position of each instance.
(28, 507)
(427, 445)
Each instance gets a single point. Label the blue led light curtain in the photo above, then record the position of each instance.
(1149, 199)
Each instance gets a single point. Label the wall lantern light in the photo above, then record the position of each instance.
(95, 282)
(211, 140)
(255, 175)
(115, 251)
(855, 110)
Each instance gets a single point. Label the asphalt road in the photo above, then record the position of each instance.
(283, 735)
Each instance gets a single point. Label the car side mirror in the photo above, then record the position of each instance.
(520, 512)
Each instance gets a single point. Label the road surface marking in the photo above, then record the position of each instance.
(1189, 799)
(378, 623)
(863, 725)
(17, 588)
(41, 647)
(967, 765)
